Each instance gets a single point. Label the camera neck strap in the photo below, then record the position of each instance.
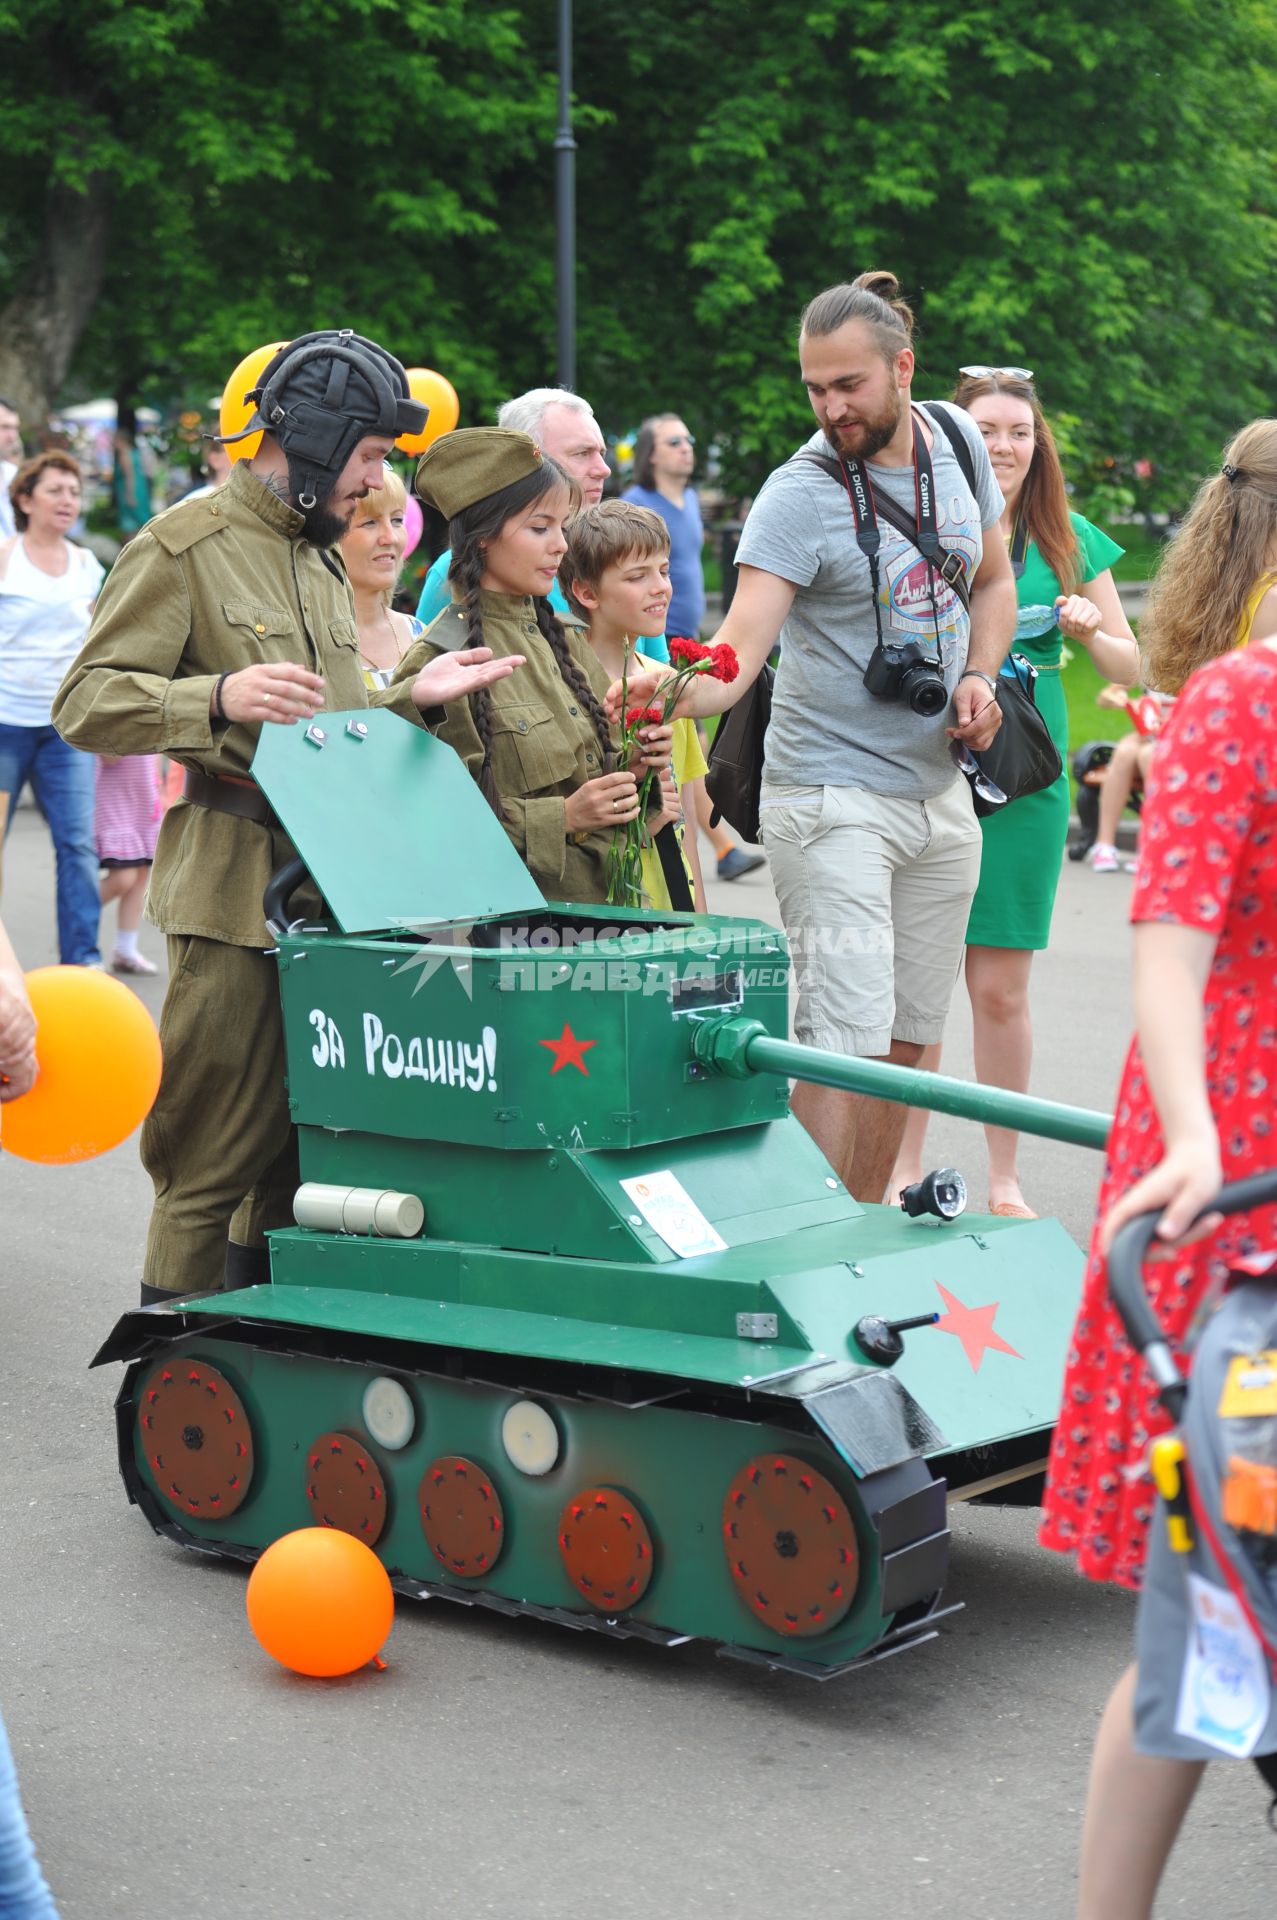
(864, 515)
(922, 532)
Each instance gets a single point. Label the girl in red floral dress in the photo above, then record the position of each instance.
(1196, 1103)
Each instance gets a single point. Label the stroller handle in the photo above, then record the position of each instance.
(1126, 1277)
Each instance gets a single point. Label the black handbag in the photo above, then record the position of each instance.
(735, 778)
(1022, 757)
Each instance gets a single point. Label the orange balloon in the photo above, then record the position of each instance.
(99, 1057)
(320, 1602)
(235, 411)
(445, 409)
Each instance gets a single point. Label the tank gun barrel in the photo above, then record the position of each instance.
(741, 1047)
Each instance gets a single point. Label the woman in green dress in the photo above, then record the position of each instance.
(1062, 561)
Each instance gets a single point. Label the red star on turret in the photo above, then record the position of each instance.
(974, 1327)
(567, 1051)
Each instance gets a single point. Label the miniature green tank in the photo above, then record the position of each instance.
(576, 1321)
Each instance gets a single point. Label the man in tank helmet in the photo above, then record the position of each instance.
(227, 613)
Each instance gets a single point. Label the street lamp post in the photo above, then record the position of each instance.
(565, 204)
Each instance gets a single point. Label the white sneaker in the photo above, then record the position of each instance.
(131, 963)
(1104, 859)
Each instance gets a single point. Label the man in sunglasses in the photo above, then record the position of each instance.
(664, 456)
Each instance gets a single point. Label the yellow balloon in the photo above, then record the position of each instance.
(100, 1062)
(235, 411)
(445, 409)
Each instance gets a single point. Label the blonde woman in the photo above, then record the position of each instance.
(373, 552)
(1217, 588)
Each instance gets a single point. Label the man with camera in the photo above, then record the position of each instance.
(892, 643)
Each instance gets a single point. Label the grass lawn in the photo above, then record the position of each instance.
(1082, 682)
(1143, 551)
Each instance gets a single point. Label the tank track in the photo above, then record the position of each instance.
(744, 1500)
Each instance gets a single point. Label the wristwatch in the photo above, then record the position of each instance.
(975, 673)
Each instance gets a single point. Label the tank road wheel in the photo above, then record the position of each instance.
(461, 1515)
(196, 1438)
(345, 1488)
(791, 1545)
(606, 1548)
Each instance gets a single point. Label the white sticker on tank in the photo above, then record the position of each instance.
(671, 1212)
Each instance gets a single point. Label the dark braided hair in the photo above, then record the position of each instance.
(552, 627)
(467, 532)
(467, 570)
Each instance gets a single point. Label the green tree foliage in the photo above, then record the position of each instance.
(1085, 189)
(256, 172)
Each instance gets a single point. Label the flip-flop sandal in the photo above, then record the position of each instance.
(1011, 1210)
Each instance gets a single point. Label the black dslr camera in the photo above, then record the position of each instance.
(908, 672)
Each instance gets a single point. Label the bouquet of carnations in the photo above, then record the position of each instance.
(690, 659)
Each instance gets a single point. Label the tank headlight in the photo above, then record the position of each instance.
(943, 1193)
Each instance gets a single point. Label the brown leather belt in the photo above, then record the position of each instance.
(223, 793)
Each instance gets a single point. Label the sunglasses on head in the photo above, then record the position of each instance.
(1008, 373)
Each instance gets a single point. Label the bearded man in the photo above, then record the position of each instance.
(891, 644)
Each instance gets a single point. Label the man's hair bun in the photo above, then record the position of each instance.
(873, 297)
(886, 286)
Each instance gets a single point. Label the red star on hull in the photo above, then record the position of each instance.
(974, 1327)
(568, 1051)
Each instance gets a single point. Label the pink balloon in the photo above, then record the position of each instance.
(412, 522)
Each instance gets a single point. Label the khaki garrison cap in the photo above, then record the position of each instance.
(472, 463)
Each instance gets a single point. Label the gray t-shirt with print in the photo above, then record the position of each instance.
(826, 728)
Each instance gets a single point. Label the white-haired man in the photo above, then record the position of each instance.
(562, 425)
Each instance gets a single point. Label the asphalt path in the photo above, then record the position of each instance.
(511, 1768)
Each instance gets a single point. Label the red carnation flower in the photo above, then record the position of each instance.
(686, 653)
(726, 666)
(644, 717)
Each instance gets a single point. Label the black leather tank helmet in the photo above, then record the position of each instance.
(320, 396)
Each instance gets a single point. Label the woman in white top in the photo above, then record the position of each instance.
(47, 590)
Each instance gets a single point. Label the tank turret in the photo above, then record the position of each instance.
(576, 1320)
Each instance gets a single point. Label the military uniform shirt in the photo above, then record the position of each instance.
(544, 744)
(206, 588)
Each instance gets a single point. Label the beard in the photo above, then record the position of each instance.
(324, 528)
(869, 436)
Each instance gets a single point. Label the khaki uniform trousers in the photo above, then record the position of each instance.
(218, 1143)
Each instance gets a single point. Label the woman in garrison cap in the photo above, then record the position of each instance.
(539, 744)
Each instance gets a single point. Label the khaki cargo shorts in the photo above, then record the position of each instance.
(874, 893)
